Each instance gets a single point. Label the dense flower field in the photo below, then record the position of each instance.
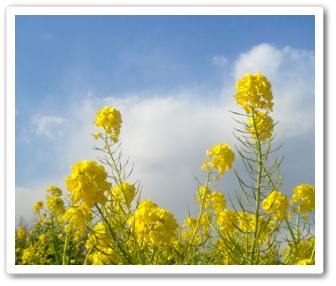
(102, 219)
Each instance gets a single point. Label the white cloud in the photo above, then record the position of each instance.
(48, 126)
(263, 58)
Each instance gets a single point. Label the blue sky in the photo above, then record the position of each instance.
(172, 78)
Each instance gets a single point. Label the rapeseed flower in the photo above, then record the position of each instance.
(261, 125)
(222, 158)
(77, 219)
(304, 197)
(55, 205)
(227, 221)
(38, 207)
(87, 183)
(275, 205)
(110, 120)
(153, 225)
(254, 91)
(54, 191)
(124, 193)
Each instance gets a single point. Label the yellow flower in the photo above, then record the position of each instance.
(275, 205)
(78, 218)
(54, 191)
(110, 120)
(87, 183)
(218, 201)
(21, 233)
(222, 157)
(227, 221)
(43, 238)
(55, 205)
(125, 193)
(301, 253)
(254, 91)
(153, 225)
(261, 124)
(214, 200)
(304, 195)
(38, 206)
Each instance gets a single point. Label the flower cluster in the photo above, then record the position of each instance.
(105, 254)
(300, 253)
(260, 125)
(227, 220)
(54, 202)
(304, 197)
(77, 218)
(124, 193)
(222, 158)
(255, 96)
(153, 225)
(275, 205)
(211, 199)
(87, 183)
(110, 120)
(254, 91)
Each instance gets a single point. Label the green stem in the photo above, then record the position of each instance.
(258, 188)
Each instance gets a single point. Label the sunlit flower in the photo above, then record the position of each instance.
(153, 225)
(304, 197)
(254, 91)
(261, 125)
(87, 183)
(54, 191)
(55, 205)
(124, 193)
(222, 158)
(21, 233)
(110, 120)
(227, 220)
(38, 206)
(77, 219)
(275, 205)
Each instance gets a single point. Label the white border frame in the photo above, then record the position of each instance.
(159, 269)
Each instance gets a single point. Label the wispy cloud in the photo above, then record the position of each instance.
(48, 126)
(220, 61)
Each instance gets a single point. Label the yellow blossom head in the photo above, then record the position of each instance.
(222, 158)
(260, 125)
(304, 198)
(254, 91)
(54, 191)
(275, 205)
(153, 225)
(124, 193)
(38, 207)
(110, 120)
(227, 220)
(87, 183)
